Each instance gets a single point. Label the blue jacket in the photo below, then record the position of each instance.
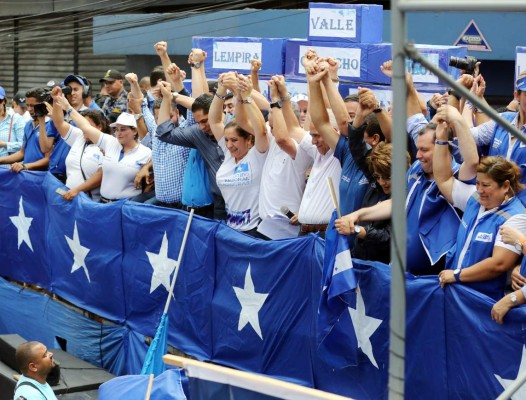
(501, 142)
(432, 222)
(481, 234)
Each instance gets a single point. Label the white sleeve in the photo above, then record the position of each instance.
(518, 222)
(483, 134)
(461, 193)
(73, 134)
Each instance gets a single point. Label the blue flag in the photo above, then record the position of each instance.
(337, 344)
(153, 363)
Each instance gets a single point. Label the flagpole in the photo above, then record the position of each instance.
(149, 390)
(178, 263)
(333, 196)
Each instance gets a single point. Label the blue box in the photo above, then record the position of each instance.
(352, 57)
(234, 54)
(361, 62)
(354, 23)
(520, 60)
(438, 55)
(384, 93)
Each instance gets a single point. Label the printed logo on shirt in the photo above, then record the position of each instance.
(346, 178)
(241, 176)
(237, 218)
(496, 143)
(363, 181)
(484, 237)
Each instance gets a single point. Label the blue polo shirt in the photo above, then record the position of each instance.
(57, 159)
(31, 144)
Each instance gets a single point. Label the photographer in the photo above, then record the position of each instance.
(30, 156)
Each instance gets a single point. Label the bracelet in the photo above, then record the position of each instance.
(286, 98)
(456, 274)
(220, 96)
(24, 166)
(335, 79)
(442, 142)
(69, 111)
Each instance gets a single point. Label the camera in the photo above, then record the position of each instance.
(40, 109)
(467, 64)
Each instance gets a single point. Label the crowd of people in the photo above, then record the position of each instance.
(262, 165)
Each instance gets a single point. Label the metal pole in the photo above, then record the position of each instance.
(398, 219)
(416, 56)
(462, 5)
(514, 387)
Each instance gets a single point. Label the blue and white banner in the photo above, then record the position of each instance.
(238, 301)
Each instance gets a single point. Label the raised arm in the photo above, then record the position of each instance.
(442, 171)
(294, 129)
(82, 123)
(335, 99)
(317, 110)
(196, 59)
(253, 113)
(161, 48)
(415, 103)
(57, 114)
(45, 142)
(279, 126)
(255, 66)
(215, 114)
(166, 104)
(466, 143)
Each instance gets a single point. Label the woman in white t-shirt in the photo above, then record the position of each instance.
(239, 176)
(84, 160)
(123, 154)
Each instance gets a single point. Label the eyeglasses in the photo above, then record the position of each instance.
(378, 177)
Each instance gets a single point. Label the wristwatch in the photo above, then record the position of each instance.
(520, 243)
(378, 109)
(196, 65)
(456, 274)
(277, 104)
(138, 116)
(248, 100)
(513, 298)
(175, 95)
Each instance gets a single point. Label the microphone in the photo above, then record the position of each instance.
(285, 210)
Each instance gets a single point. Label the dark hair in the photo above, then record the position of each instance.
(37, 93)
(501, 170)
(240, 131)
(202, 103)
(24, 354)
(373, 127)
(212, 86)
(89, 92)
(352, 97)
(156, 74)
(98, 118)
(229, 96)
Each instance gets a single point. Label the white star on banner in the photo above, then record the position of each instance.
(162, 266)
(364, 327)
(79, 252)
(23, 224)
(251, 302)
(521, 393)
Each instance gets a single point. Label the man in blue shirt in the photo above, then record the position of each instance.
(35, 362)
(30, 157)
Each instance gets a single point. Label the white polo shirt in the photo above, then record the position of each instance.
(82, 157)
(119, 173)
(316, 205)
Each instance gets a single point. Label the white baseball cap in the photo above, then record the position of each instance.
(125, 119)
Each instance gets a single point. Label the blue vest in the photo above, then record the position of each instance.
(501, 142)
(482, 241)
(432, 222)
(31, 144)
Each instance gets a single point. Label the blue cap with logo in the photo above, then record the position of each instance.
(2, 93)
(521, 84)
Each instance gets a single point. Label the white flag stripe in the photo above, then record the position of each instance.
(343, 262)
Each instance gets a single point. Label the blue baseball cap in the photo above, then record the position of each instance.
(2, 93)
(74, 78)
(521, 84)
